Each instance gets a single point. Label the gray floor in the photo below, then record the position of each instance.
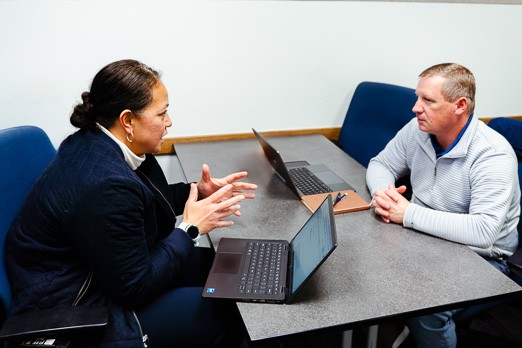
(501, 326)
(171, 167)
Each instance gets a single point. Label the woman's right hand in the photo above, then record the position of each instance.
(209, 213)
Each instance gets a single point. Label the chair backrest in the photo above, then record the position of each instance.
(376, 113)
(511, 129)
(25, 152)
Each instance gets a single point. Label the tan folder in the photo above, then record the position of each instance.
(352, 202)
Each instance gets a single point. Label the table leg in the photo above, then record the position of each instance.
(372, 336)
(347, 339)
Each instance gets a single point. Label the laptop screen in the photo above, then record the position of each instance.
(312, 244)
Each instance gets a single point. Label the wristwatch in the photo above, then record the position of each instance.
(192, 231)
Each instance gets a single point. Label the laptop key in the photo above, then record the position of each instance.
(307, 182)
(263, 268)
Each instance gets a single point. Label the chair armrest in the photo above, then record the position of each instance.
(515, 262)
(56, 321)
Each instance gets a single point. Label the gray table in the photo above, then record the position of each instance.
(379, 271)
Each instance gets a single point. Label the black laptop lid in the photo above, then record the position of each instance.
(312, 245)
(276, 161)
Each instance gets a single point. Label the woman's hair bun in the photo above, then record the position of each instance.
(83, 115)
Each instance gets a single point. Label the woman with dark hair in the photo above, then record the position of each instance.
(98, 227)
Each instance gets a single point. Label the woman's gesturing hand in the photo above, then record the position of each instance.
(210, 213)
(207, 185)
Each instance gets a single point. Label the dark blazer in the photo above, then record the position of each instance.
(92, 223)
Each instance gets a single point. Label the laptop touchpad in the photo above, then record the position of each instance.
(227, 262)
(328, 177)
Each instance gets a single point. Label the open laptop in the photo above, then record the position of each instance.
(301, 177)
(240, 266)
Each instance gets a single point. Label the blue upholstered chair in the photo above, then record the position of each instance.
(25, 152)
(376, 113)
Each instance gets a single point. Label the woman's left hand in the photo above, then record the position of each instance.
(208, 185)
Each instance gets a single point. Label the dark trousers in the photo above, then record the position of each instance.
(181, 317)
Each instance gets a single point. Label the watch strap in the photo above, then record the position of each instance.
(185, 227)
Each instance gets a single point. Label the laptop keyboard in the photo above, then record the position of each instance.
(262, 270)
(307, 182)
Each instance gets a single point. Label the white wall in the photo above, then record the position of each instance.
(231, 65)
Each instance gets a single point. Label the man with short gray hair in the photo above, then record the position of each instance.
(464, 182)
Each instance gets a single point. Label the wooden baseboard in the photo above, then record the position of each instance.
(487, 119)
(331, 133)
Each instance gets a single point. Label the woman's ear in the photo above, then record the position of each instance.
(126, 121)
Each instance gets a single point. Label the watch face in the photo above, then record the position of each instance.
(193, 231)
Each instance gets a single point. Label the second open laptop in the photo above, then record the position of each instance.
(272, 270)
(301, 177)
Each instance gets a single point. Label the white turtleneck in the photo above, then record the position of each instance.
(133, 160)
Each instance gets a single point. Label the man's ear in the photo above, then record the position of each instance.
(461, 105)
(126, 121)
